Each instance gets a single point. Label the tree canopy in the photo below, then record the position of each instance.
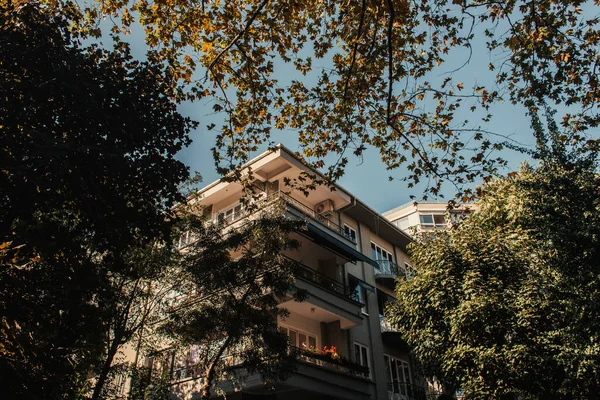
(384, 74)
(506, 304)
(225, 309)
(87, 144)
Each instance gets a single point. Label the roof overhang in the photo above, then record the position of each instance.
(337, 246)
(378, 224)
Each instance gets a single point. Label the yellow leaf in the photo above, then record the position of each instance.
(207, 47)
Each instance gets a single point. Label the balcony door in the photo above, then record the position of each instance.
(231, 214)
(378, 253)
(398, 378)
(298, 338)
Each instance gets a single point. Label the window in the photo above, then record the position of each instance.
(382, 300)
(360, 293)
(230, 215)
(378, 253)
(350, 233)
(361, 356)
(409, 271)
(298, 338)
(383, 257)
(184, 239)
(430, 221)
(398, 376)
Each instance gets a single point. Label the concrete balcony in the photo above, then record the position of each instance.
(391, 335)
(324, 220)
(315, 375)
(325, 282)
(314, 379)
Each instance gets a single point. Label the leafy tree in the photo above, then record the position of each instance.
(141, 298)
(506, 305)
(367, 73)
(87, 144)
(146, 385)
(226, 307)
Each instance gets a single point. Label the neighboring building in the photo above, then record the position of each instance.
(421, 216)
(351, 256)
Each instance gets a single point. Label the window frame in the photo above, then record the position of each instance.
(382, 250)
(349, 235)
(361, 293)
(185, 239)
(402, 367)
(298, 332)
(433, 224)
(362, 350)
(234, 216)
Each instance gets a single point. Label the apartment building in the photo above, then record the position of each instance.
(351, 256)
(422, 216)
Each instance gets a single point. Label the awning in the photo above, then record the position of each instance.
(336, 245)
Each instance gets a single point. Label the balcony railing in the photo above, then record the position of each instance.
(307, 210)
(187, 238)
(180, 366)
(386, 326)
(387, 267)
(325, 282)
(326, 361)
(322, 219)
(406, 391)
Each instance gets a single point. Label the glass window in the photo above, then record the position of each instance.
(378, 253)
(350, 233)
(426, 219)
(361, 356)
(398, 376)
(298, 338)
(439, 219)
(382, 300)
(184, 239)
(359, 291)
(230, 215)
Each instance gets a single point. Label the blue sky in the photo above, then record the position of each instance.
(366, 177)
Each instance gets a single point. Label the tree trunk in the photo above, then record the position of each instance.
(106, 368)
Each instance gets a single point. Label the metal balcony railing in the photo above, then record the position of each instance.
(308, 211)
(327, 361)
(386, 326)
(325, 282)
(322, 219)
(406, 391)
(387, 267)
(181, 365)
